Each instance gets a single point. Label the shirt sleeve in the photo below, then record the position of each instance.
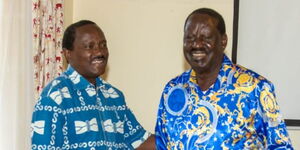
(47, 127)
(134, 133)
(274, 127)
(160, 134)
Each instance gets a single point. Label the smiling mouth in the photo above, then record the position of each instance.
(99, 60)
(198, 55)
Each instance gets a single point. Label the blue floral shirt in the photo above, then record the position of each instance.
(238, 111)
(74, 114)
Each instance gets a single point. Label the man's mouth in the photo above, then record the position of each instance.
(99, 60)
(198, 54)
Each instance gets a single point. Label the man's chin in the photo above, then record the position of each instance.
(99, 70)
(99, 73)
(200, 68)
(96, 73)
(200, 64)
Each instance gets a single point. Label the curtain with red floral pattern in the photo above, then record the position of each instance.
(47, 31)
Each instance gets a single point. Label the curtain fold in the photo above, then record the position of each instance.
(47, 17)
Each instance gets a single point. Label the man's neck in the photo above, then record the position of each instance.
(207, 79)
(92, 80)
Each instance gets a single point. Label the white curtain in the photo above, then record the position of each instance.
(16, 74)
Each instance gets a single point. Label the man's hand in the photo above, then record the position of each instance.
(149, 144)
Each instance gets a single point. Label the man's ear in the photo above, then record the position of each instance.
(224, 41)
(67, 54)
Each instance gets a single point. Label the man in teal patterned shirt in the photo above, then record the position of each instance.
(217, 104)
(79, 110)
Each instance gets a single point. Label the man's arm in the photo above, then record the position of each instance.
(161, 136)
(274, 126)
(136, 136)
(149, 144)
(47, 126)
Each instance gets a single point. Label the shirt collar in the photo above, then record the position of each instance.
(221, 82)
(79, 82)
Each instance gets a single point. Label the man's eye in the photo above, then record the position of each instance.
(208, 39)
(103, 45)
(89, 46)
(189, 38)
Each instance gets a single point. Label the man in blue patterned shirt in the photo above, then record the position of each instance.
(79, 110)
(217, 104)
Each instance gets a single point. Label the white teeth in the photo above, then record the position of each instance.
(97, 61)
(198, 54)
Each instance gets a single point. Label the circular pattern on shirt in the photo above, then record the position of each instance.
(176, 101)
(269, 105)
(204, 120)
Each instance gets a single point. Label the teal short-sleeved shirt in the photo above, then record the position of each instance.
(72, 113)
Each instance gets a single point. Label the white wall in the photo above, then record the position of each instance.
(295, 137)
(145, 44)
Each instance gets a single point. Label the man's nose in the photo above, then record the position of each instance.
(198, 43)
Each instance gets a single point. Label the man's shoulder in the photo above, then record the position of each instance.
(52, 96)
(243, 74)
(108, 84)
(55, 84)
(107, 88)
(178, 80)
(181, 78)
(55, 90)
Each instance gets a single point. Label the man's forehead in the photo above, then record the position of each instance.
(202, 18)
(88, 31)
(88, 28)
